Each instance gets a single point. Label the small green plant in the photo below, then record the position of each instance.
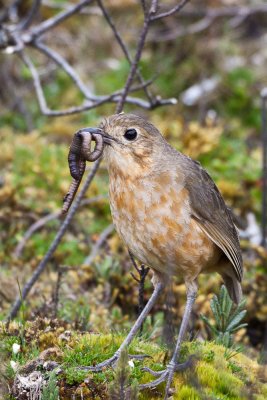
(50, 391)
(227, 318)
(121, 389)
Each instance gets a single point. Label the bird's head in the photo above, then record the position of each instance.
(132, 145)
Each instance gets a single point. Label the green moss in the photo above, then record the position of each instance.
(187, 393)
(211, 376)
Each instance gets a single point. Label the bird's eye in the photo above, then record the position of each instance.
(130, 134)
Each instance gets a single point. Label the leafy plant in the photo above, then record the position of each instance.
(120, 387)
(227, 318)
(50, 390)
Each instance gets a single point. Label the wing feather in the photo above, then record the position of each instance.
(213, 216)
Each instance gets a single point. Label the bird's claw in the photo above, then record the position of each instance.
(151, 371)
(99, 367)
(162, 377)
(166, 374)
(110, 362)
(138, 356)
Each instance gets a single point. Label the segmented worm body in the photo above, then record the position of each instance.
(80, 152)
(86, 146)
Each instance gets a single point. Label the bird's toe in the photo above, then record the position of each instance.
(99, 367)
(162, 377)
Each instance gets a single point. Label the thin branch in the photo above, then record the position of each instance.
(72, 110)
(208, 17)
(138, 54)
(61, 62)
(54, 5)
(174, 10)
(54, 21)
(31, 14)
(143, 4)
(142, 272)
(36, 82)
(33, 228)
(113, 98)
(101, 240)
(44, 220)
(192, 29)
(27, 287)
(55, 297)
(122, 45)
(9, 10)
(201, 12)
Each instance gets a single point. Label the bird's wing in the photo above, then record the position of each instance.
(212, 214)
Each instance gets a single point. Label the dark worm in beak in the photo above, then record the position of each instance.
(80, 152)
(80, 149)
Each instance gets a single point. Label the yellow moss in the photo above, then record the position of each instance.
(211, 376)
(207, 374)
(198, 139)
(186, 393)
(49, 339)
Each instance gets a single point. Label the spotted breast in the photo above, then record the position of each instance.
(152, 216)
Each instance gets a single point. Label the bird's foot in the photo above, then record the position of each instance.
(166, 375)
(111, 362)
(104, 364)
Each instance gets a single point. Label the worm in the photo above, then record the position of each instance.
(69, 197)
(86, 146)
(75, 155)
(80, 152)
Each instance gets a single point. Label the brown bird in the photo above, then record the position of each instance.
(170, 215)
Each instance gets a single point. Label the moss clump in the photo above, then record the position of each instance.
(213, 375)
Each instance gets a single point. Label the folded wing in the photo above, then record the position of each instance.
(212, 214)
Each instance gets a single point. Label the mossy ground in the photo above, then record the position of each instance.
(216, 372)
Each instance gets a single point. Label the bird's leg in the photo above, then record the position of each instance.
(167, 374)
(138, 323)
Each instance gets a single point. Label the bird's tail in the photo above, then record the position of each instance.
(234, 287)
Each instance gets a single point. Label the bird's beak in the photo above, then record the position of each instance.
(108, 139)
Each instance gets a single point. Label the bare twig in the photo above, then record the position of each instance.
(27, 287)
(89, 105)
(138, 54)
(208, 17)
(55, 5)
(30, 16)
(36, 82)
(142, 272)
(15, 40)
(172, 11)
(44, 220)
(61, 62)
(9, 10)
(56, 293)
(54, 21)
(123, 46)
(217, 12)
(143, 4)
(101, 240)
